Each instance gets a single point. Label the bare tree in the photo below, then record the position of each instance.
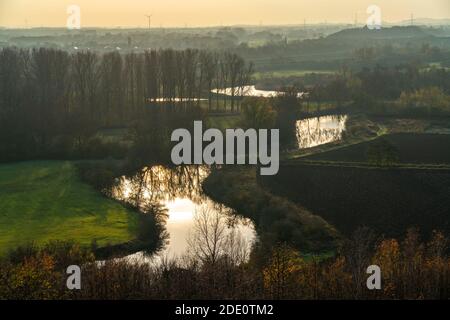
(208, 238)
(212, 238)
(358, 252)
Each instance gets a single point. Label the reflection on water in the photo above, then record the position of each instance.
(160, 100)
(179, 191)
(313, 132)
(157, 184)
(250, 91)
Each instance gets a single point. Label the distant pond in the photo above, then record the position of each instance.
(178, 191)
(312, 132)
(250, 91)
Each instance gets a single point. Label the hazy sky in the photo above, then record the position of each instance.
(169, 13)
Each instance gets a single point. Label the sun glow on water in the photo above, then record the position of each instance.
(180, 210)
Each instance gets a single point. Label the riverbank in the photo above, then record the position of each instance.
(388, 200)
(276, 219)
(361, 128)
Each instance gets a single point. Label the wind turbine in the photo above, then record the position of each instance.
(149, 20)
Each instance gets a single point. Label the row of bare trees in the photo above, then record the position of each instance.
(45, 93)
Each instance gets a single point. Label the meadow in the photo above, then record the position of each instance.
(43, 201)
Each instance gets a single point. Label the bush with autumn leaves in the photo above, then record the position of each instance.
(410, 269)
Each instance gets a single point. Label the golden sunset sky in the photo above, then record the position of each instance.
(174, 13)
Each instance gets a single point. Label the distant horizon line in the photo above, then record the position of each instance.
(187, 26)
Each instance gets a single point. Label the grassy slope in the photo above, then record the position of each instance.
(42, 201)
(275, 218)
(411, 148)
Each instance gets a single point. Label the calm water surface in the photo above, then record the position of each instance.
(178, 192)
(250, 91)
(312, 132)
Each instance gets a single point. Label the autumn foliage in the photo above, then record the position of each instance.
(410, 269)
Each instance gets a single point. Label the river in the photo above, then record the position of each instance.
(250, 91)
(312, 132)
(178, 192)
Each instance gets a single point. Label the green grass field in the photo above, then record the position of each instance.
(43, 201)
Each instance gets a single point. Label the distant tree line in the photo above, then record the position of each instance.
(370, 88)
(50, 97)
(356, 48)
